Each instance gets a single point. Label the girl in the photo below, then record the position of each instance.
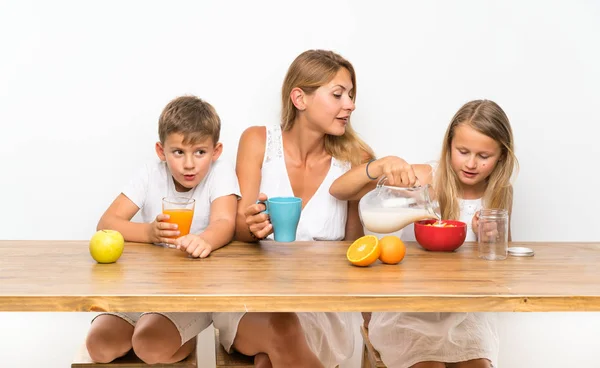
(312, 147)
(475, 169)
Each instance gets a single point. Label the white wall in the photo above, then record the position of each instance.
(82, 85)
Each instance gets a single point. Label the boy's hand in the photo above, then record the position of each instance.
(258, 223)
(194, 245)
(397, 171)
(163, 232)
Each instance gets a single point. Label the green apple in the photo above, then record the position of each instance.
(106, 246)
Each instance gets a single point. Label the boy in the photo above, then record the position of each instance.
(188, 150)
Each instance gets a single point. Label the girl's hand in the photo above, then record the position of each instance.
(194, 245)
(161, 231)
(397, 171)
(475, 224)
(489, 231)
(258, 222)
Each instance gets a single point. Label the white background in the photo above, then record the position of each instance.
(82, 85)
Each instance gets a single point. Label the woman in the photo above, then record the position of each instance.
(313, 146)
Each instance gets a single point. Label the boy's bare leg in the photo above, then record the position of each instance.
(109, 338)
(156, 340)
(475, 363)
(279, 335)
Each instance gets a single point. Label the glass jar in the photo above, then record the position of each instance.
(492, 239)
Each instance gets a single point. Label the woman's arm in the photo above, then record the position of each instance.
(357, 182)
(251, 150)
(354, 228)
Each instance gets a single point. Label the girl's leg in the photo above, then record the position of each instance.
(475, 363)
(366, 319)
(261, 360)
(157, 340)
(109, 338)
(429, 365)
(279, 335)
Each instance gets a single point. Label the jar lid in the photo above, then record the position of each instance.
(520, 251)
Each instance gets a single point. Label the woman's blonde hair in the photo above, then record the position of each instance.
(487, 118)
(309, 71)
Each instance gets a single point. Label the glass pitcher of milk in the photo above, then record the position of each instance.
(387, 209)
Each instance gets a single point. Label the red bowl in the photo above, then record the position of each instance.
(440, 239)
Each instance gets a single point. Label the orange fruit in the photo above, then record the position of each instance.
(392, 249)
(364, 251)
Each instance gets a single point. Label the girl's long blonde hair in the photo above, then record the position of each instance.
(309, 71)
(487, 118)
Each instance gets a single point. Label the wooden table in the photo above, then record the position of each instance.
(304, 276)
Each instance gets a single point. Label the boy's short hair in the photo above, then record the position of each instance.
(190, 116)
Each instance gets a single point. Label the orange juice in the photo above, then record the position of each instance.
(181, 217)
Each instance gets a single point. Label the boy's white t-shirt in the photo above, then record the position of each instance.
(154, 181)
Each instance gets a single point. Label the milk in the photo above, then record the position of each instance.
(389, 220)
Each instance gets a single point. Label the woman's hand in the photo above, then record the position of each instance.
(397, 171)
(258, 222)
